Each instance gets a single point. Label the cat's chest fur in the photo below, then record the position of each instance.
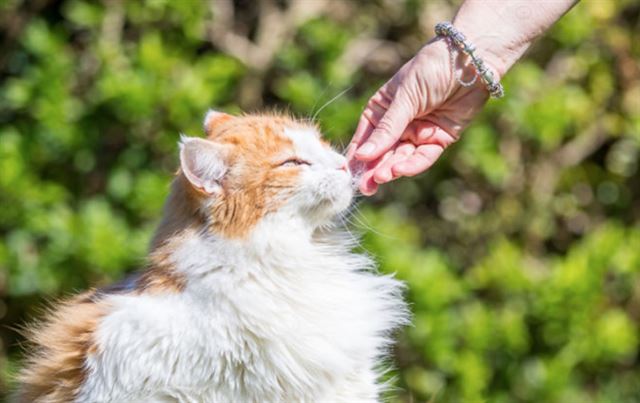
(251, 291)
(294, 326)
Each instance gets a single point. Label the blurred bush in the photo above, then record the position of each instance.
(521, 247)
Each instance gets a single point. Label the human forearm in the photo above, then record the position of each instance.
(503, 30)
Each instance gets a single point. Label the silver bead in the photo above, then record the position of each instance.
(457, 38)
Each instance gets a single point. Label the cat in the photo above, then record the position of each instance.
(252, 292)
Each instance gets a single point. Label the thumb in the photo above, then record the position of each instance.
(390, 128)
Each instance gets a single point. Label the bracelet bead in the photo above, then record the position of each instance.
(456, 38)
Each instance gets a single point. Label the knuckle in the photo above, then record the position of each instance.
(384, 130)
(369, 115)
(375, 101)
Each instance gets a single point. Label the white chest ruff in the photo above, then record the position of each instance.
(308, 330)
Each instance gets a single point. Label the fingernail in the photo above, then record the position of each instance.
(366, 149)
(381, 179)
(369, 191)
(400, 169)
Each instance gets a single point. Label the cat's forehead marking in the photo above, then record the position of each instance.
(253, 140)
(257, 143)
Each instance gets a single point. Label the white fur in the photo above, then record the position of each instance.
(289, 314)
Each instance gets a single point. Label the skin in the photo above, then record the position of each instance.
(422, 109)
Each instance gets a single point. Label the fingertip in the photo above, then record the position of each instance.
(382, 176)
(366, 151)
(421, 160)
(403, 169)
(368, 187)
(369, 190)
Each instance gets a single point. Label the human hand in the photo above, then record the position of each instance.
(409, 122)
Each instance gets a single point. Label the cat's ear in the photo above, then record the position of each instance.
(203, 163)
(214, 118)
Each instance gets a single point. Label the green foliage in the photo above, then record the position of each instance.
(519, 248)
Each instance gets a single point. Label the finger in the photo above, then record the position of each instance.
(364, 129)
(423, 133)
(432, 133)
(371, 116)
(389, 129)
(368, 186)
(364, 176)
(351, 150)
(370, 167)
(422, 159)
(383, 173)
(426, 132)
(419, 132)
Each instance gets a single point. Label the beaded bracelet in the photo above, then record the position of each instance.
(455, 39)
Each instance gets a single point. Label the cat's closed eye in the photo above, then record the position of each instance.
(291, 162)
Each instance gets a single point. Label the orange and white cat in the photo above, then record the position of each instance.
(251, 292)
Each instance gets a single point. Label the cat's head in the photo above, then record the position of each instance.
(250, 167)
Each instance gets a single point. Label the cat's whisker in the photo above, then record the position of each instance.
(311, 115)
(344, 219)
(341, 93)
(360, 219)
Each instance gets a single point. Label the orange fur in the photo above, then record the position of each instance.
(55, 371)
(218, 119)
(161, 280)
(160, 276)
(181, 213)
(255, 189)
(251, 188)
(60, 347)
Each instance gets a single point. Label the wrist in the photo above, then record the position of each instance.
(500, 49)
(459, 45)
(503, 30)
(451, 66)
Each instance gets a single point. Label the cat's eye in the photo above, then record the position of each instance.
(291, 162)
